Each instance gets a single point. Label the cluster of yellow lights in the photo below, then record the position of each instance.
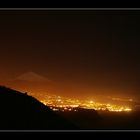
(58, 103)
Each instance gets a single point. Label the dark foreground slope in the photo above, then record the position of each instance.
(20, 111)
(83, 118)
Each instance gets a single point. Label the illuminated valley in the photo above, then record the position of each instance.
(58, 103)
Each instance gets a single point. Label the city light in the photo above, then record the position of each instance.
(57, 103)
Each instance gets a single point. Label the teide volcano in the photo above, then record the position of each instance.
(32, 77)
(31, 82)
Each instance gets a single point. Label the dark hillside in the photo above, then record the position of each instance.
(20, 111)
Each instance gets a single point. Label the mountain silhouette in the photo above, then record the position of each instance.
(19, 111)
(32, 77)
(30, 82)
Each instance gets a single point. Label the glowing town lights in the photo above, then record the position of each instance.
(54, 109)
(74, 106)
(128, 109)
(108, 104)
(59, 100)
(57, 103)
(91, 102)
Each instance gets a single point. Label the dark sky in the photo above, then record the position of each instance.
(90, 50)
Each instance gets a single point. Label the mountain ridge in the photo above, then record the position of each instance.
(22, 112)
(32, 77)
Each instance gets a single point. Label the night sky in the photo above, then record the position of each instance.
(89, 51)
